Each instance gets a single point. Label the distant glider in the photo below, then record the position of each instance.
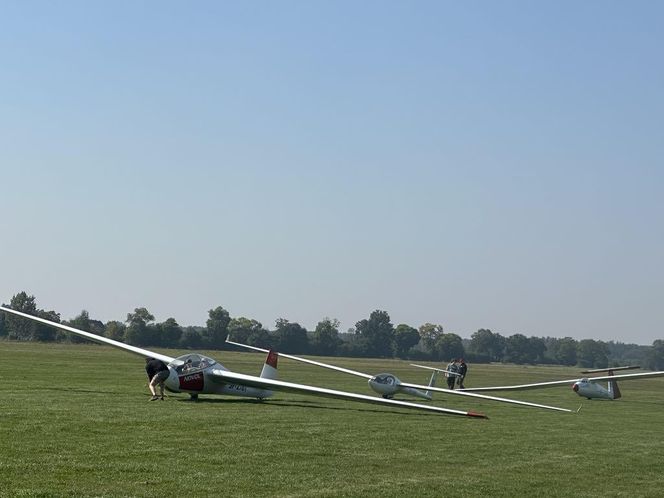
(209, 377)
(387, 384)
(586, 387)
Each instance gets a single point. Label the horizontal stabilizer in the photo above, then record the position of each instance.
(612, 369)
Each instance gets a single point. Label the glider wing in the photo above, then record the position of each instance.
(278, 385)
(304, 360)
(567, 382)
(93, 337)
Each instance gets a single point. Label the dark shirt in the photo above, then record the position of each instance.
(463, 368)
(153, 367)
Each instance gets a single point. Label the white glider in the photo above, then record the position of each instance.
(585, 387)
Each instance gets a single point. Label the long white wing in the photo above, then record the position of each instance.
(93, 337)
(437, 369)
(568, 382)
(277, 385)
(414, 386)
(304, 360)
(460, 392)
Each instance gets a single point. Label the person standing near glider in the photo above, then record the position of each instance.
(463, 369)
(451, 373)
(157, 373)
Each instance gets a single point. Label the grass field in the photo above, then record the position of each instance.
(76, 422)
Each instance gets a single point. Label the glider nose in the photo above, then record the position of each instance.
(575, 387)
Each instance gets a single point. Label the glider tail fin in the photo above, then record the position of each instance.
(613, 387)
(270, 367)
(432, 381)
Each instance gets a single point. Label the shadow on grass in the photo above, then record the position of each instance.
(302, 404)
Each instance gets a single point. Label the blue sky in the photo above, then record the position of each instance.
(473, 164)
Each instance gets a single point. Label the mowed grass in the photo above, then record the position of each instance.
(76, 421)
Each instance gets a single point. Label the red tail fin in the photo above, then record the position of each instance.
(270, 367)
(272, 358)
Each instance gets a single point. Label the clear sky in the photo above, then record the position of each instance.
(473, 164)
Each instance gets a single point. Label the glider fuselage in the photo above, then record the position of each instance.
(591, 390)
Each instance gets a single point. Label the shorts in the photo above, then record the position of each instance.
(161, 376)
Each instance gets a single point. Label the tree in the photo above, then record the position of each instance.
(592, 354)
(290, 337)
(486, 343)
(655, 358)
(379, 333)
(521, 349)
(217, 327)
(449, 346)
(405, 337)
(239, 329)
(429, 334)
(167, 333)
(115, 330)
(326, 337)
(564, 351)
(191, 338)
(138, 332)
(19, 328)
(82, 322)
(43, 332)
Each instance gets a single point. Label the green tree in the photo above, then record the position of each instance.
(326, 337)
(19, 328)
(138, 333)
(241, 328)
(378, 332)
(429, 334)
(43, 332)
(191, 338)
(405, 337)
(655, 357)
(486, 343)
(592, 354)
(167, 333)
(290, 337)
(217, 327)
(449, 346)
(115, 330)
(85, 323)
(517, 349)
(565, 351)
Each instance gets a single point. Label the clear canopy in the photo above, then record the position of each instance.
(193, 362)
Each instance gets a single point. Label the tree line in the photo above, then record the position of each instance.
(374, 336)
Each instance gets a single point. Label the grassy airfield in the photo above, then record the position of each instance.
(76, 422)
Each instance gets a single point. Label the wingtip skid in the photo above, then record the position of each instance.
(476, 415)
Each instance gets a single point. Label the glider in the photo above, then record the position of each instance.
(207, 376)
(586, 387)
(387, 385)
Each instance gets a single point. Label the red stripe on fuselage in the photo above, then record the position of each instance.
(191, 382)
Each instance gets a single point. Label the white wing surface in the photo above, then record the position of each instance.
(93, 337)
(304, 360)
(462, 392)
(568, 382)
(277, 385)
(437, 369)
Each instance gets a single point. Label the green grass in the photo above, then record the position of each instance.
(75, 421)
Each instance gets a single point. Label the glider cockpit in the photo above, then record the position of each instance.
(190, 363)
